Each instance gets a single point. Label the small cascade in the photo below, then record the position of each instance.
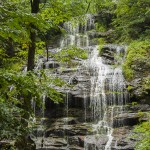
(77, 32)
(40, 131)
(33, 106)
(85, 105)
(66, 118)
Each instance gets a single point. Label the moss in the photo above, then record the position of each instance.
(143, 131)
(146, 83)
(134, 103)
(101, 42)
(129, 88)
(100, 27)
(137, 59)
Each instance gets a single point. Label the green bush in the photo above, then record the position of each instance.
(137, 58)
(142, 132)
(102, 42)
(69, 54)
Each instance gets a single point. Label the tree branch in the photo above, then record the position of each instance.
(88, 7)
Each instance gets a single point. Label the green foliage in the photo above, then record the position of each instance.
(146, 83)
(70, 54)
(100, 27)
(40, 47)
(58, 11)
(137, 59)
(17, 90)
(143, 131)
(141, 114)
(105, 9)
(132, 19)
(101, 44)
(134, 103)
(129, 88)
(16, 20)
(106, 6)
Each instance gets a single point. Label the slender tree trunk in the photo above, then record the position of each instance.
(32, 46)
(31, 52)
(24, 142)
(47, 49)
(10, 48)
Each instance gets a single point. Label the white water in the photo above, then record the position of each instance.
(107, 91)
(107, 97)
(76, 36)
(107, 85)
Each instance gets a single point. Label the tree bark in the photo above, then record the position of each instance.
(47, 49)
(24, 142)
(32, 46)
(31, 52)
(10, 48)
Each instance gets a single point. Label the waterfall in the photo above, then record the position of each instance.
(107, 98)
(76, 36)
(107, 90)
(108, 95)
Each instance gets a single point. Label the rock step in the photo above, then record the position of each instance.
(69, 130)
(107, 56)
(61, 148)
(51, 143)
(126, 119)
(52, 148)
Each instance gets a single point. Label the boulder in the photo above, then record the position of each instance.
(126, 119)
(109, 53)
(123, 139)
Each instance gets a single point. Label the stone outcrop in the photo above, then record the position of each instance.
(123, 139)
(71, 125)
(94, 34)
(66, 127)
(109, 53)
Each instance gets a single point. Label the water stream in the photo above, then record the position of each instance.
(107, 86)
(108, 95)
(107, 99)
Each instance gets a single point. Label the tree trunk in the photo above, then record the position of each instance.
(46, 49)
(10, 48)
(24, 142)
(32, 46)
(31, 52)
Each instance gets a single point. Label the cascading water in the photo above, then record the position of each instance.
(107, 87)
(107, 98)
(108, 95)
(77, 35)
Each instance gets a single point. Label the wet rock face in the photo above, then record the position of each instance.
(96, 142)
(51, 64)
(139, 107)
(123, 139)
(67, 127)
(137, 92)
(109, 53)
(126, 119)
(95, 34)
(71, 125)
